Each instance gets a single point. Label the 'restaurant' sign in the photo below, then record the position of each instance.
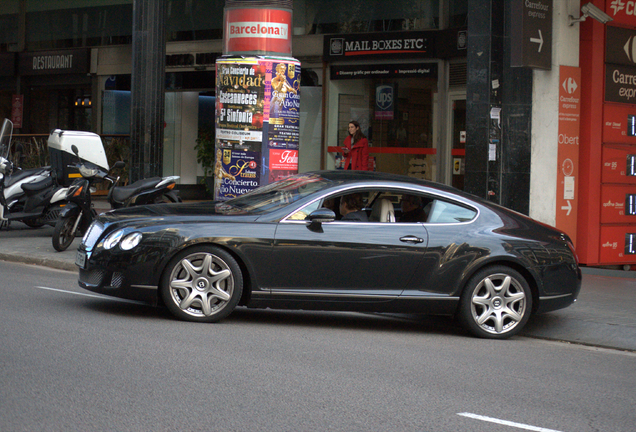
(257, 32)
(54, 62)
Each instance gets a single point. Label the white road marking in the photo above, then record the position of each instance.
(506, 422)
(90, 295)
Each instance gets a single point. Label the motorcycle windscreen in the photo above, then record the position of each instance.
(5, 138)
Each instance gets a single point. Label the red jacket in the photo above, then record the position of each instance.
(358, 154)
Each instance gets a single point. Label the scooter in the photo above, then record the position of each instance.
(79, 213)
(30, 196)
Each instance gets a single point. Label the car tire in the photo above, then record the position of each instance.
(496, 303)
(202, 284)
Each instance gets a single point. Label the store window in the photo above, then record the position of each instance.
(396, 115)
(104, 22)
(363, 16)
(63, 108)
(457, 13)
(8, 25)
(188, 20)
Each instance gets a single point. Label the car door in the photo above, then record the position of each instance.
(371, 259)
(453, 235)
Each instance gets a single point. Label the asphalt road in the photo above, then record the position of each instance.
(73, 361)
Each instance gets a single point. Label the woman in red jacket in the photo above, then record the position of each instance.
(356, 149)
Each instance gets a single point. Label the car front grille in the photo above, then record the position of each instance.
(116, 280)
(91, 277)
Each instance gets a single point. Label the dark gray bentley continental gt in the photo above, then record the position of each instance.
(336, 240)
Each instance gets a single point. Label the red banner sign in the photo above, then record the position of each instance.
(17, 110)
(258, 32)
(568, 149)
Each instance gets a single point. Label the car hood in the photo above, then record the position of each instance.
(208, 211)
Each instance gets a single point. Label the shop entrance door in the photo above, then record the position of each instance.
(457, 138)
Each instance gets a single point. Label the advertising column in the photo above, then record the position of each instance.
(258, 99)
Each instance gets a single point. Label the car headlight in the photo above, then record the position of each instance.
(130, 241)
(126, 242)
(112, 239)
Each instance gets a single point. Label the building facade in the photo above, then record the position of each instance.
(445, 90)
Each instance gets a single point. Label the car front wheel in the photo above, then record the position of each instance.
(496, 303)
(202, 284)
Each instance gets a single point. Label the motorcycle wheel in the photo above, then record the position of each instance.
(34, 222)
(167, 199)
(63, 234)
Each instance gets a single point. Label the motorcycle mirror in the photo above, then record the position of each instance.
(119, 164)
(75, 150)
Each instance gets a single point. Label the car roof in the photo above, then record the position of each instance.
(361, 177)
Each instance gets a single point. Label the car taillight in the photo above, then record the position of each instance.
(571, 246)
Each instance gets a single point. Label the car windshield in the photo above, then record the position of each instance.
(276, 195)
(5, 138)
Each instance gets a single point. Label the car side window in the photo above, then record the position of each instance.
(413, 208)
(446, 212)
(302, 213)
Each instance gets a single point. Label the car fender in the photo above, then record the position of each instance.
(243, 252)
(530, 272)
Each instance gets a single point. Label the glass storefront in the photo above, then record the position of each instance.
(397, 117)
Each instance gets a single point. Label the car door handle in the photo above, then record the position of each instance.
(411, 239)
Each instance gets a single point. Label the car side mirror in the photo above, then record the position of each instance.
(318, 217)
(321, 215)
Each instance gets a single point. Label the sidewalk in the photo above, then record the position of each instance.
(604, 315)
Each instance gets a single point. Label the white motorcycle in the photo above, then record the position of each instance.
(31, 196)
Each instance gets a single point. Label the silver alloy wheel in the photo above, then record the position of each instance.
(498, 303)
(201, 284)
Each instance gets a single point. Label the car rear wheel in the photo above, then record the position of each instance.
(496, 303)
(202, 284)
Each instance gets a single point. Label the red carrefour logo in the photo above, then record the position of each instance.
(623, 12)
(619, 5)
(569, 85)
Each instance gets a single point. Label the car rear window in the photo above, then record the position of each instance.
(446, 212)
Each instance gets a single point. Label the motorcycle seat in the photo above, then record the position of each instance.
(122, 193)
(21, 174)
(37, 186)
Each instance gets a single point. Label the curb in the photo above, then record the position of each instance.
(45, 262)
